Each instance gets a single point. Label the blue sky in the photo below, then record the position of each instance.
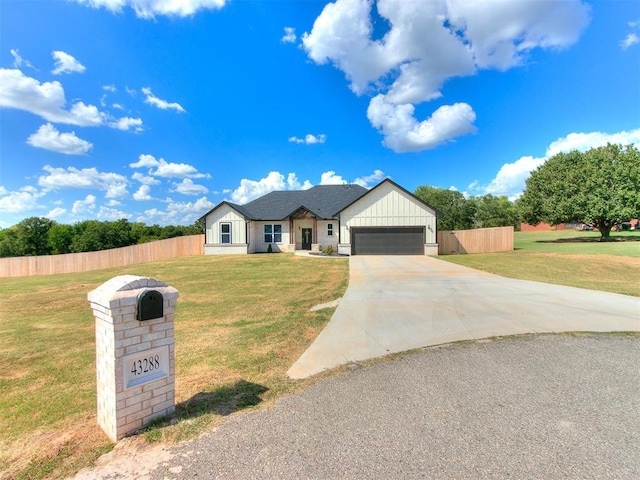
(157, 110)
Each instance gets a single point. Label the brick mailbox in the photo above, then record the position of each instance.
(135, 362)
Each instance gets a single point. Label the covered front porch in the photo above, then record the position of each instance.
(307, 232)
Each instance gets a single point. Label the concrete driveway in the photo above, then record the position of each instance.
(398, 303)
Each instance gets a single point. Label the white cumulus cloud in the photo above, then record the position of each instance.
(49, 138)
(127, 123)
(20, 201)
(143, 193)
(331, 178)
(145, 179)
(511, 177)
(177, 213)
(187, 187)
(369, 180)
(56, 212)
(113, 184)
(426, 44)
(87, 205)
(47, 100)
(585, 141)
(148, 9)
(630, 40)
(65, 63)
(145, 161)
(161, 168)
(294, 184)
(151, 99)
(309, 139)
(289, 35)
(252, 189)
(404, 133)
(105, 214)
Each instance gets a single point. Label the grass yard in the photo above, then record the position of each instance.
(567, 257)
(241, 322)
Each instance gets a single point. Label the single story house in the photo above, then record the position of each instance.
(387, 219)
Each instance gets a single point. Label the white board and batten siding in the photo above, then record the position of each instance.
(213, 241)
(388, 206)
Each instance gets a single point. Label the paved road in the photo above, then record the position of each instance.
(397, 303)
(525, 408)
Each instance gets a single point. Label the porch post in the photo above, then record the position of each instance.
(292, 234)
(315, 230)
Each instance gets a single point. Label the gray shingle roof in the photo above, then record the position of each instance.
(324, 201)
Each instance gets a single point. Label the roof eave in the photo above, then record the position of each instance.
(235, 207)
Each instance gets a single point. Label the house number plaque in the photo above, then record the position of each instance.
(144, 367)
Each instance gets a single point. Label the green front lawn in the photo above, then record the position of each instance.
(241, 322)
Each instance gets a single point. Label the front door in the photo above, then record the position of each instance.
(306, 238)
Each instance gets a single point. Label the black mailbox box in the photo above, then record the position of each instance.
(150, 305)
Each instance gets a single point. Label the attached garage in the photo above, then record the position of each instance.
(388, 220)
(387, 241)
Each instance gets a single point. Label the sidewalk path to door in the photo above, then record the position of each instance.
(398, 303)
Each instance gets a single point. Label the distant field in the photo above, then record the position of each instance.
(567, 257)
(241, 322)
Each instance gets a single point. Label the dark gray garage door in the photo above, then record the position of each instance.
(387, 241)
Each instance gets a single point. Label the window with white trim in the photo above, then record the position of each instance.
(225, 233)
(273, 233)
(330, 229)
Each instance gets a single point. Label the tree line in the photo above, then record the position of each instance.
(462, 213)
(42, 236)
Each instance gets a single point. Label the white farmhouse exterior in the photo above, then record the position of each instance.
(351, 219)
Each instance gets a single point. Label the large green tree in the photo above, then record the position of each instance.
(93, 235)
(32, 236)
(60, 237)
(458, 212)
(600, 187)
(9, 242)
(492, 211)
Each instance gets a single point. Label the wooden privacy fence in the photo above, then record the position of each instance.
(480, 240)
(117, 257)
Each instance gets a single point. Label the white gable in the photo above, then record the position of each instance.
(388, 206)
(225, 214)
